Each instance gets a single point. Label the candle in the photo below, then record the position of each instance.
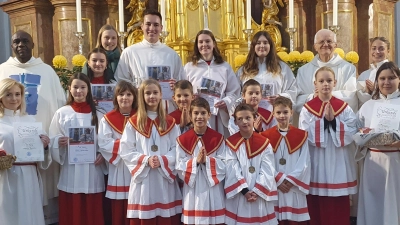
(291, 14)
(121, 15)
(78, 16)
(248, 14)
(335, 12)
(162, 9)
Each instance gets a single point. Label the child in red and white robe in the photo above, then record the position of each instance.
(183, 96)
(200, 164)
(250, 181)
(330, 124)
(110, 131)
(292, 165)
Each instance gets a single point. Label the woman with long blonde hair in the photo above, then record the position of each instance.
(148, 146)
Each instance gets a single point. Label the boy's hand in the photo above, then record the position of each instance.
(329, 112)
(154, 162)
(369, 86)
(172, 83)
(63, 141)
(200, 156)
(258, 124)
(185, 117)
(221, 104)
(249, 196)
(271, 99)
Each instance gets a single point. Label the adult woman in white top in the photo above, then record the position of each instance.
(264, 65)
(379, 199)
(20, 186)
(207, 63)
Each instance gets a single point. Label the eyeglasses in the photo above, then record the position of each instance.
(328, 42)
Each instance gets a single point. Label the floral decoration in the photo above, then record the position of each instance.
(239, 61)
(60, 66)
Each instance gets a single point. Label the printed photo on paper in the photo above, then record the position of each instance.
(212, 91)
(103, 95)
(163, 75)
(82, 145)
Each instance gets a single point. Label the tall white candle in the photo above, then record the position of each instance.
(291, 14)
(121, 15)
(335, 12)
(78, 15)
(248, 14)
(162, 11)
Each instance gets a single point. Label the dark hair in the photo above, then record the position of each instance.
(385, 66)
(324, 68)
(200, 102)
(216, 53)
(244, 107)
(250, 66)
(108, 74)
(248, 83)
(383, 39)
(152, 12)
(125, 86)
(89, 97)
(183, 84)
(283, 101)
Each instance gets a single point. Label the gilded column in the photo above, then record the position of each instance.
(34, 17)
(181, 21)
(230, 20)
(64, 27)
(241, 19)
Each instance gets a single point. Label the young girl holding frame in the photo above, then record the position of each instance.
(110, 131)
(81, 185)
(148, 148)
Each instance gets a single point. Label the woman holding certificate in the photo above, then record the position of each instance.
(81, 181)
(20, 186)
(264, 65)
(215, 78)
(379, 197)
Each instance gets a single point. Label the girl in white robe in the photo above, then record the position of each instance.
(110, 131)
(200, 164)
(330, 124)
(250, 181)
(207, 63)
(251, 94)
(263, 65)
(148, 148)
(21, 185)
(379, 197)
(79, 184)
(292, 165)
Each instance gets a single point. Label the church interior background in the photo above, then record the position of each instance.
(52, 24)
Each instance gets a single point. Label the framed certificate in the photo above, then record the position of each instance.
(27, 144)
(82, 145)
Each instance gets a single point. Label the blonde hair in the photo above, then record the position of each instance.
(5, 86)
(100, 35)
(142, 107)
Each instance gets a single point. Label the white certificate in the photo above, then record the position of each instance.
(212, 91)
(385, 117)
(103, 95)
(166, 90)
(82, 145)
(27, 144)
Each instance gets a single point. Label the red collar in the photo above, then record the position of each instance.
(294, 138)
(98, 80)
(116, 120)
(189, 139)
(81, 107)
(177, 116)
(316, 106)
(149, 124)
(255, 145)
(266, 115)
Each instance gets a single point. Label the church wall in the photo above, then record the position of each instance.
(5, 36)
(397, 33)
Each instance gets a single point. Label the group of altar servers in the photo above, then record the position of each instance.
(176, 162)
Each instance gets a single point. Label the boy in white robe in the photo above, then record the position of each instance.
(331, 124)
(292, 165)
(183, 96)
(250, 182)
(200, 153)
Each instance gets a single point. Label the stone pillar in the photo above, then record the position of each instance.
(64, 27)
(363, 33)
(383, 22)
(35, 18)
(347, 20)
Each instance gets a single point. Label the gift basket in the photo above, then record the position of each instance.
(6, 161)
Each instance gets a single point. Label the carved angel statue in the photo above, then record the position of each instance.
(270, 12)
(136, 7)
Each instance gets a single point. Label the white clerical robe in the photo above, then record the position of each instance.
(284, 84)
(250, 164)
(44, 96)
(111, 127)
(152, 192)
(21, 186)
(203, 190)
(292, 162)
(345, 74)
(74, 178)
(379, 198)
(222, 73)
(333, 169)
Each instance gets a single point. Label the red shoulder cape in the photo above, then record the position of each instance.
(266, 115)
(211, 140)
(255, 145)
(116, 120)
(316, 106)
(149, 124)
(177, 116)
(294, 138)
